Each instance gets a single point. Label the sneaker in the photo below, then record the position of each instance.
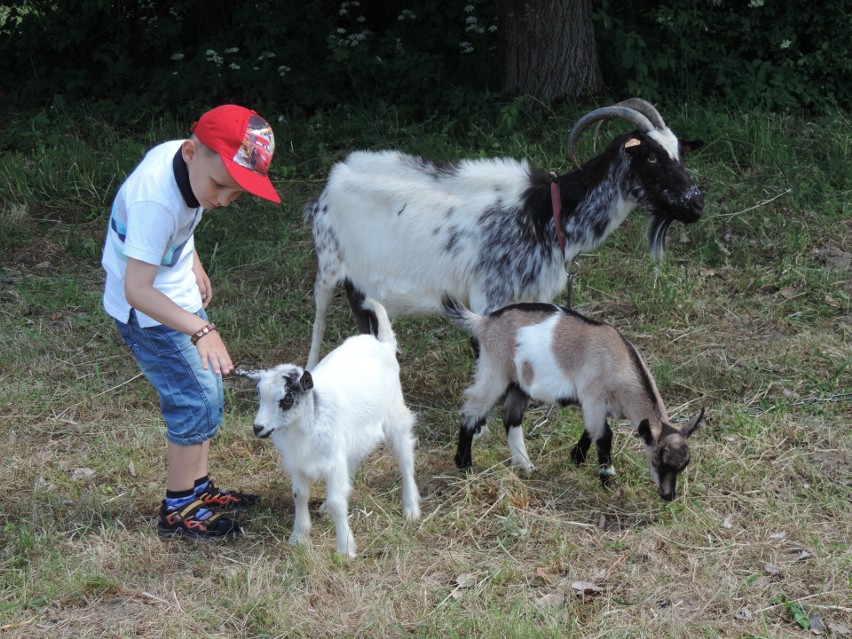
(221, 499)
(196, 522)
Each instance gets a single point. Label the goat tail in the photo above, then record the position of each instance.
(383, 329)
(310, 209)
(459, 315)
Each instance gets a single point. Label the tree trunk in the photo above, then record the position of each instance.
(547, 49)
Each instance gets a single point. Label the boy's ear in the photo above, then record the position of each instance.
(188, 150)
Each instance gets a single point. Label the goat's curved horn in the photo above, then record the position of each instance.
(645, 108)
(605, 113)
(638, 104)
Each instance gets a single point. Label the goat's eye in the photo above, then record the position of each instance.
(652, 159)
(286, 402)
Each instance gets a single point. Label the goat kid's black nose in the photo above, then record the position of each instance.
(258, 430)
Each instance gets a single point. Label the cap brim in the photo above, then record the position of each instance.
(252, 182)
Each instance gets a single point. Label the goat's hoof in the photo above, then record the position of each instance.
(412, 514)
(578, 456)
(297, 540)
(606, 473)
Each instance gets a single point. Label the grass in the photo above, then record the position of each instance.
(748, 316)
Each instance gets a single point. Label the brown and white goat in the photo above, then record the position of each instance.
(550, 354)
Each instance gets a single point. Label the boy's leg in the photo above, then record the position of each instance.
(186, 464)
(191, 401)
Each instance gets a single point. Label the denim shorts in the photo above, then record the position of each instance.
(191, 398)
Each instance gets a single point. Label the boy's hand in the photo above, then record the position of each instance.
(212, 351)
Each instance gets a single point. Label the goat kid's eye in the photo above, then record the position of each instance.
(652, 159)
(286, 402)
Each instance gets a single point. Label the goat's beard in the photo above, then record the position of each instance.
(657, 235)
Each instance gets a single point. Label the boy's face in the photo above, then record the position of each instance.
(211, 183)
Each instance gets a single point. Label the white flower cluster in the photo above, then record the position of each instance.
(214, 57)
(406, 14)
(345, 6)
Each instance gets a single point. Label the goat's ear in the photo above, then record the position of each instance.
(306, 383)
(253, 375)
(692, 424)
(632, 143)
(689, 146)
(644, 431)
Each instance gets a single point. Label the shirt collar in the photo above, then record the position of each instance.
(182, 178)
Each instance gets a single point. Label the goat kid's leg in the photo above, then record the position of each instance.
(603, 443)
(338, 488)
(482, 397)
(469, 427)
(302, 521)
(578, 453)
(514, 407)
(403, 445)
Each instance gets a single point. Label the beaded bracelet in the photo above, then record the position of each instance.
(201, 333)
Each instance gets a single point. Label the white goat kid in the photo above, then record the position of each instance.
(490, 232)
(324, 423)
(550, 354)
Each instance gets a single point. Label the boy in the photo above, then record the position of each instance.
(157, 292)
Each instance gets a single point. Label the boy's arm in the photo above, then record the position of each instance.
(141, 294)
(204, 286)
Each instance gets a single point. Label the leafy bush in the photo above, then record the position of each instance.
(766, 54)
(280, 57)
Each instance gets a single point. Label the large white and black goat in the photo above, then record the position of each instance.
(325, 422)
(550, 354)
(490, 232)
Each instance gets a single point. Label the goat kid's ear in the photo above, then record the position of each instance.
(691, 145)
(692, 424)
(306, 382)
(253, 375)
(644, 431)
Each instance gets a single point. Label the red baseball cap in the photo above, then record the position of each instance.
(245, 143)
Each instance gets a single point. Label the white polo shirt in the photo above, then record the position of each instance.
(152, 222)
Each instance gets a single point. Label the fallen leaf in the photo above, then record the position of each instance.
(804, 555)
(585, 588)
(744, 615)
(779, 535)
(466, 580)
(80, 474)
(728, 522)
(551, 600)
(772, 569)
(788, 292)
(131, 469)
(13, 437)
(816, 624)
(542, 574)
(839, 629)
